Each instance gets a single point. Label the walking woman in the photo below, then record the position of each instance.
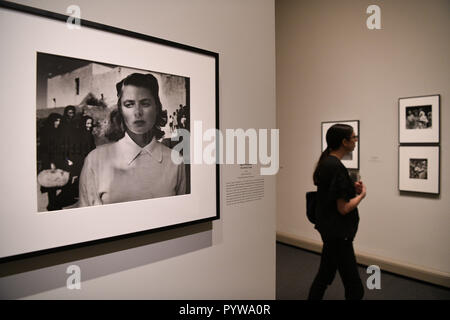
(337, 215)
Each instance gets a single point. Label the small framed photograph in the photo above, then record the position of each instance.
(419, 119)
(351, 160)
(419, 169)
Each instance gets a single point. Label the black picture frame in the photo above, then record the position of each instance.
(419, 119)
(419, 169)
(419, 132)
(30, 243)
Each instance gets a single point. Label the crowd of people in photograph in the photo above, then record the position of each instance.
(418, 169)
(418, 119)
(64, 142)
(179, 119)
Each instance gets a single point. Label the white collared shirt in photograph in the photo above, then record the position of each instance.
(123, 171)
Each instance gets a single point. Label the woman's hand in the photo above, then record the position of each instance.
(363, 191)
(358, 187)
(52, 166)
(345, 206)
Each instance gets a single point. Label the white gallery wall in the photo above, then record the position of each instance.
(331, 67)
(231, 258)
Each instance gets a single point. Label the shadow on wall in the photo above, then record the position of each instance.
(419, 195)
(29, 276)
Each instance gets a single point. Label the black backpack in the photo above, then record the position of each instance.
(311, 204)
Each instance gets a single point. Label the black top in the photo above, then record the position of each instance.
(51, 148)
(334, 183)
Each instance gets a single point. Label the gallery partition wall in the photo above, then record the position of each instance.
(190, 244)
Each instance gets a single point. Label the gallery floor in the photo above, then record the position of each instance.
(296, 269)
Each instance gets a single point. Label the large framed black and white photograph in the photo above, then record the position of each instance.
(351, 160)
(419, 169)
(87, 108)
(419, 119)
(97, 124)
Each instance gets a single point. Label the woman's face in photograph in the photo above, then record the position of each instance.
(89, 124)
(138, 109)
(70, 114)
(56, 123)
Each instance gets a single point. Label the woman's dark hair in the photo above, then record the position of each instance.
(116, 129)
(67, 109)
(50, 121)
(335, 134)
(84, 119)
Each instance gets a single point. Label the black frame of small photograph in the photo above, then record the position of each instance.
(430, 182)
(418, 131)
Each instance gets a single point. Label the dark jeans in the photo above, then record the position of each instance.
(337, 255)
